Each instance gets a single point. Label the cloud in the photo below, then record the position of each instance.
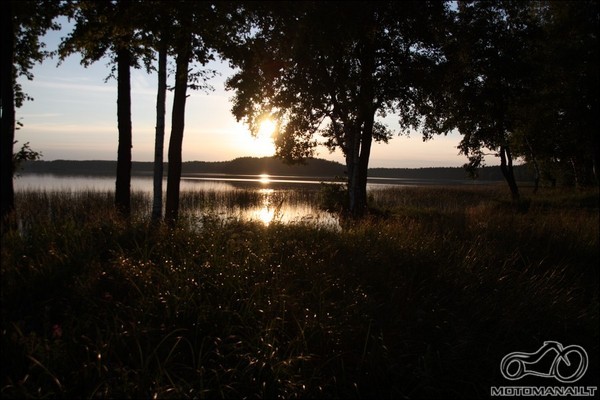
(79, 87)
(39, 115)
(68, 128)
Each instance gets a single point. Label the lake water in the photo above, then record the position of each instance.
(215, 182)
(278, 194)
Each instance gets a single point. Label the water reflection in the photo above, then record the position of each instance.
(264, 198)
(266, 213)
(285, 207)
(264, 179)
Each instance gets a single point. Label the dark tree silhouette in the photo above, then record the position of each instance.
(184, 52)
(161, 98)
(23, 23)
(111, 29)
(7, 126)
(484, 76)
(558, 126)
(331, 69)
(157, 22)
(199, 30)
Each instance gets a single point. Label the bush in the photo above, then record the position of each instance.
(333, 197)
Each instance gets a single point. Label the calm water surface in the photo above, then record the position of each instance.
(276, 193)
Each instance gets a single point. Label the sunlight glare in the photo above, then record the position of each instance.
(264, 179)
(267, 212)
(263, 141)
(267, 128)
(249, 145)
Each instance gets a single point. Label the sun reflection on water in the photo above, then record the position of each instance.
(266, 213)
(264, 179)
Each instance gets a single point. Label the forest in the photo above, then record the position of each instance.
(272, 166)
(414, 292)
(518, 80)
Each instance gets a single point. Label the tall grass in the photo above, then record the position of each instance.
(421, 301)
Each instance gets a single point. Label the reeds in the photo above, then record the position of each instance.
(422, 300)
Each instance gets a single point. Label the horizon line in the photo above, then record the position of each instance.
(259, 158)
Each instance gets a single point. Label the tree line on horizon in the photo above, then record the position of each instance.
(518, 80)
(314, 167)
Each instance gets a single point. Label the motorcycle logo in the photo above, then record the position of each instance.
(516, 365)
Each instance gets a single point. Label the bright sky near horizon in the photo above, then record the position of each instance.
(74, 116)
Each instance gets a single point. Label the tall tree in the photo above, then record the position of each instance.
(184, 51)
(331, 69)
(157, 29)
(23, 23)
(124, 62)
(559, 118)
(484, 76)
(7, 199)
(161, 98)
(107, 28)
(199, 29)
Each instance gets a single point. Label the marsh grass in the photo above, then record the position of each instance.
(422, 300)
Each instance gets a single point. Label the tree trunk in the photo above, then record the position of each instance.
(584, 171)
(177, 128)
(7, 123)
(536, 167)
(506, 166)
(596, 161)
(160, 133)
(123, 183)
(365, 154)
(352, 164)
(358, 166)
(364, 130)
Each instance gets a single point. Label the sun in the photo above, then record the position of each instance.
(258, 144)
(266, 129)
(263, 140)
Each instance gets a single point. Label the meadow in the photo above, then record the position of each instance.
(421, 300)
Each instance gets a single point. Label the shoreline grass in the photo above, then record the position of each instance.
(421, 302)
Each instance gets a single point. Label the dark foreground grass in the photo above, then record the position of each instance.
(421, 302)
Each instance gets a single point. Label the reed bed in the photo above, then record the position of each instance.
(420, 300)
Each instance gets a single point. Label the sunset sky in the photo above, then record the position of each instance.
(74, 117)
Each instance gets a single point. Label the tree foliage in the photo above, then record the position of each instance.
(23, 24)
(520, 79)
(558, 124)
(327, 71)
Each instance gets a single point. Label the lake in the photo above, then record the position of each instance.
(277, 198)
(225, 182)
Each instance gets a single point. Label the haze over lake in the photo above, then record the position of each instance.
(218, 182)
(279, 198)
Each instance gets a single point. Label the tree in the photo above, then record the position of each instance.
(184, 52)
(559, 118)
(8, 111)
(330, 69)
(157, 30)
(111, 28)
(161, 97)
(198, 30)
(23, 23)
(485, 76)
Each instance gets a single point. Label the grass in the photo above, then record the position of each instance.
(422, 301)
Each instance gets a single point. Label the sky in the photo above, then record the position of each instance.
(74, 116)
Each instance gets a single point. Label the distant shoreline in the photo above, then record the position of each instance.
(267, 165)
